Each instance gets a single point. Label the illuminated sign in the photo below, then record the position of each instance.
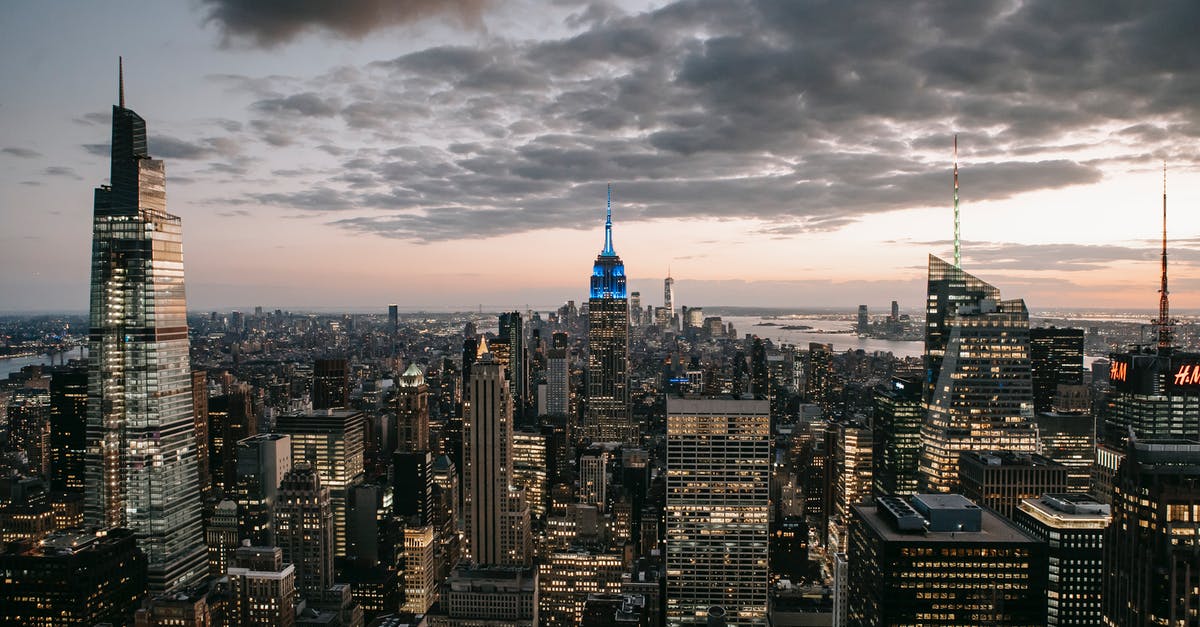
(1187, 374)
(1118, 371)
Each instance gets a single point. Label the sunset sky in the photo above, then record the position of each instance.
(448, 153)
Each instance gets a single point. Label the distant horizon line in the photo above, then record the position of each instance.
(493, 309)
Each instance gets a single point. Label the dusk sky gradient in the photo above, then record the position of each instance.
(442, 154)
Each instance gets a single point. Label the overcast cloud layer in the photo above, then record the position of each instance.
(806, 115)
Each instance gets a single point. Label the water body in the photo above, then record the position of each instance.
(836, 332)
(14, 364)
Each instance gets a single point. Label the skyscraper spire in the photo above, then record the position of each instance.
(121, 81)
(1164, 306)
(608, 245)
(957, 250)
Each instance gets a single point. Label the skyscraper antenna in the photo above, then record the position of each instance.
(608, 245)
(957, 248)
(1164, 305)
(121, 81)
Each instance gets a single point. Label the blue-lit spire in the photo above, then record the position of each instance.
(608, 245)
(608, 273)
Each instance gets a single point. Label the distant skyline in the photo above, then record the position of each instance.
(775, 153)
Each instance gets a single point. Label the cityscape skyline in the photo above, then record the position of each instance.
(778, 220)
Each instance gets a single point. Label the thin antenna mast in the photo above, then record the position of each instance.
(1164, 305)
(121, 81)
(957, 248)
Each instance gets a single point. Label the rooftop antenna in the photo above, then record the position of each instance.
(608, 245)
(1164, 322)
(121, 81)
(957, 248)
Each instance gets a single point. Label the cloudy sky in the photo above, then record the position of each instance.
(447, 153)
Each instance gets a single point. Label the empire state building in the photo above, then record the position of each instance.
(140, 461)
(608, 410)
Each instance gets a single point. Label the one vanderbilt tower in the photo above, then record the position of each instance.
(141, 451)
(608, 411)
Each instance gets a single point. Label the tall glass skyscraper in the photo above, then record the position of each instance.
(718, 471)
(608, 411)
(949, 288)
(140, 461)
(983, 399)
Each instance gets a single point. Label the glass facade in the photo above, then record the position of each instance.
(949, 289)
(718, 471)
(141, 456)
(983, 399)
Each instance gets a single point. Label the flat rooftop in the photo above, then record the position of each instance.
(994, 529)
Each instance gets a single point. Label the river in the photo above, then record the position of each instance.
(14, 364)
(822, 331)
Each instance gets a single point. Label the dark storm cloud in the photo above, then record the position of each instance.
(58, 170)
(806, 116)
(267, 23)
(24, 153)
(308, 103)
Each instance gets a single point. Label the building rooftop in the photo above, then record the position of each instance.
(1007, 458)
(1064, 511)
(935, 518)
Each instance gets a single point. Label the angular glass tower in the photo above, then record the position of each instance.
(608, 411)
(140, 461)
(949, 288)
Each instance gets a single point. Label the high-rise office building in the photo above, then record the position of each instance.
(669, 300)
(393, 318)
(949, 288)
(1055, 358)
(853, 464)
(899, 415)
(1073, 527)
(1154, 394)
(73, 579)
(331, 384)
(864, 320)
(496, 516)
(609, 416)
(263, 588)
(566, 579)
(412, 411)
(231, 419)
(304, 528)
(1152, 548)
(1002, 479)
(200, 420)
(68, 428)
(262, 460)
(420, 568)
(984, 396)
(512, 329)
(500, 596)
(558, 380)
(718, 471)
(412, 486)
(530, 470)
(1070, 439)
(593, 478)
(221, 536)
(333, 440)
(141, 447)
(942, 560)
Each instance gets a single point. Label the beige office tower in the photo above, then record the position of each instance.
(983, 399)
(566, 579)
(420, 569)
(496, 515)
(718, 471)
(263, 588)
